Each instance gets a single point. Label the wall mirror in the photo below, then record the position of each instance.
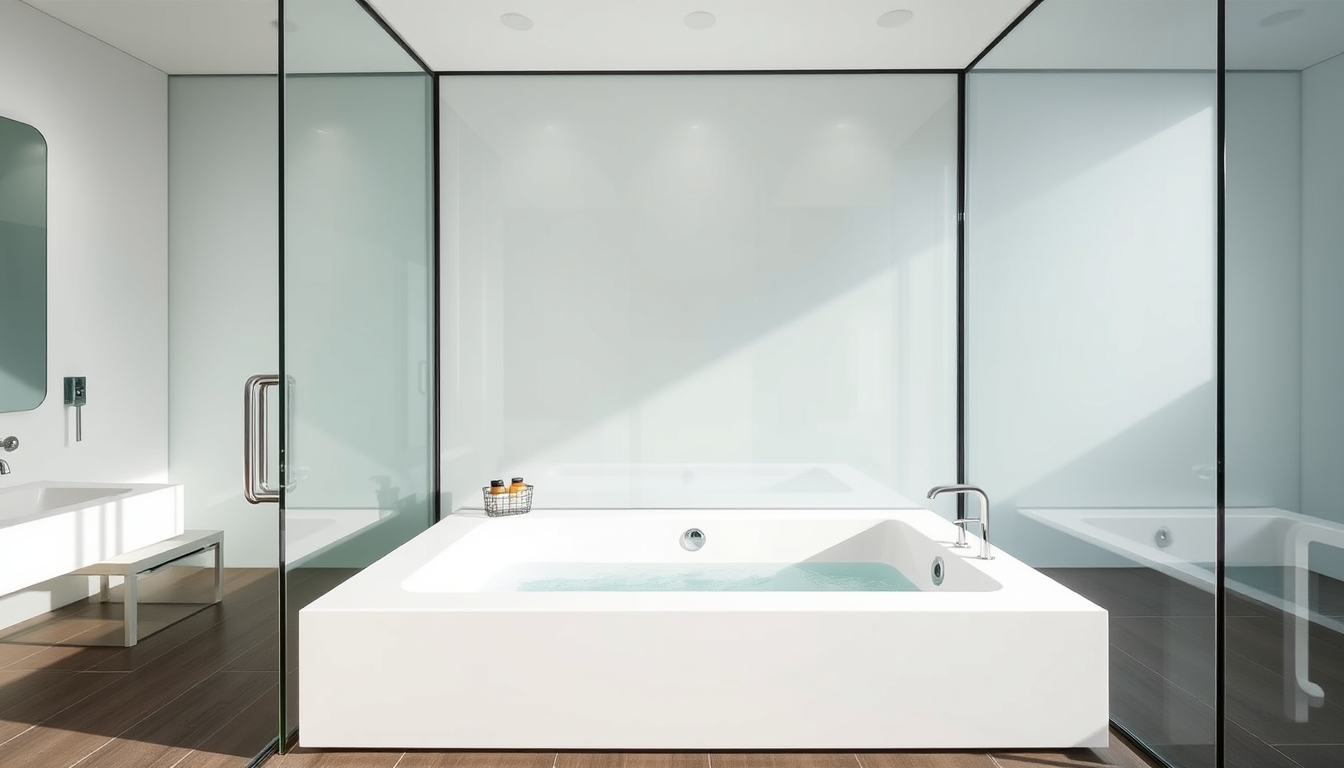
(23, 266)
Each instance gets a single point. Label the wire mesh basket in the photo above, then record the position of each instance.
(501, 504)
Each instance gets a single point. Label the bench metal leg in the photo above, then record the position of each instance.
(103, 587)
(132, 608)
(219, 572)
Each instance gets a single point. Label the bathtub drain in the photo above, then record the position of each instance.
(693, 539)
(1162, 538)
(937, 571)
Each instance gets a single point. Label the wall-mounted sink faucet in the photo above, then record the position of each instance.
(983, 520)
(8, 445)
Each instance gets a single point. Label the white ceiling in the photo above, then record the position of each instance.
(238, 36)
(653, 34)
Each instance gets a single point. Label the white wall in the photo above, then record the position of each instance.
(104, 116)
(706, 272)
(224, 307)
(1090, 297)
(1322, 289)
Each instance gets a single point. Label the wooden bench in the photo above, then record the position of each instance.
(131, 565)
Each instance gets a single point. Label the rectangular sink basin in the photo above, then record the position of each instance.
(49, 529)
(34, 500)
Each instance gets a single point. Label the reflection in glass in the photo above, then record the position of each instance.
(1091, 292)
(700, 291)
(1285, 551)
(357, 325)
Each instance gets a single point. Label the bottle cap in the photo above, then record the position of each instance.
(496, 483)
(517, 479)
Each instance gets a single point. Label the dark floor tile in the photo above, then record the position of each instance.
(1172, 649)
(32, 696)
(249, 730)
(481, 760)
(1256, 702)
(1242, 750)
(1153, 708)
(264, 656)
(1118, 755)
(1315, 755)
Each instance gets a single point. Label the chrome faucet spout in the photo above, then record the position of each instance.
(4, 467)
(983, 520)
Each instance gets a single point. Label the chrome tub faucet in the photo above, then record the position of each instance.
(961, 524)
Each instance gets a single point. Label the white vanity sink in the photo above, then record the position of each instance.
(52, 528)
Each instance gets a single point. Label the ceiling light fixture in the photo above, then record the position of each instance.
(700, 20)
(1282, 17)
(894, 18)
(516, 21)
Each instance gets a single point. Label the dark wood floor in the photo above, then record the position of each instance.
(199, 692)
(1162, 671)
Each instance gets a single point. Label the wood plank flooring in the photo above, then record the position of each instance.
(1119, 755)
(199, 689)
(1162, 673)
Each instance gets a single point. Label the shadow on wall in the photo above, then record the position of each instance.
(664, 270)
(1090, 285)
(1163, 461)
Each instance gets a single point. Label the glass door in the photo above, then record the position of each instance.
(356, 277)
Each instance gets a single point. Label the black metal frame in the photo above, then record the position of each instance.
(1220, 405)
(961, 216)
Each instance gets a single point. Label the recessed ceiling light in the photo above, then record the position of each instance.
(700, 20)
(894, 18)
(1281, 17)
(516, 21)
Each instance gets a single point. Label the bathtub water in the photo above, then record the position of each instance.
(682, 577)
(595, 629)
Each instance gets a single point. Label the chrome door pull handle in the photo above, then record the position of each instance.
(256, 483)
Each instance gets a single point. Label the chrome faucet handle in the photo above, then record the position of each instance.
(10, 444)
(983, 520)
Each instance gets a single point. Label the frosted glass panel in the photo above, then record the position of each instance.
(719, 291)
(356, 298)
(1091, 421)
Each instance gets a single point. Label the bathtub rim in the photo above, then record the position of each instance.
(378, 588)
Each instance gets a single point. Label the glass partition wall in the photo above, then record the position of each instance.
(356, 307)
(1127, 330)
(1284, 374)
(714, 291)
(1091, 366)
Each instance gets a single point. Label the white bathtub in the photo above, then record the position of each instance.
(421, 650)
